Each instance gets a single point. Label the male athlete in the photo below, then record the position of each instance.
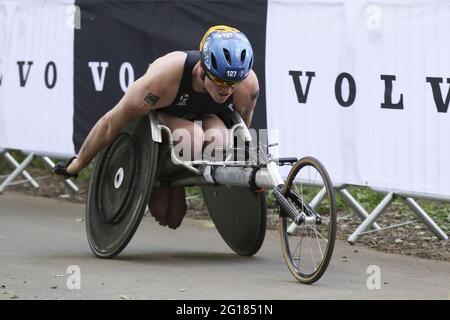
(182, 86)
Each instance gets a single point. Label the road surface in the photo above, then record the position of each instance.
(40, 238)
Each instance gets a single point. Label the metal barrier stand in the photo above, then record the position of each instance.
(352, 203)
(20, 170)
(369, 219)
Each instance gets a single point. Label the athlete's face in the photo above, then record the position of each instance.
(219, 93)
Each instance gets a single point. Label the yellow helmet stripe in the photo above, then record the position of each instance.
(218, 28)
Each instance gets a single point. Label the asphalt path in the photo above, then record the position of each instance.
(41, 238)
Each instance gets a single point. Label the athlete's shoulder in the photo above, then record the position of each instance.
(168, 68)
(171, 59)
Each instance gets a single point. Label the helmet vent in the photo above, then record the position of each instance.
(227, 56)
(213, 61)
(243, 54)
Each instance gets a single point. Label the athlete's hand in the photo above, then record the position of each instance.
(61, 169)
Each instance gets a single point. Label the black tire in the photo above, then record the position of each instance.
(114, 209)
(301, 267)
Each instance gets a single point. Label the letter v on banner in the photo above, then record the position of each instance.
(437, 94)
(99, 79)
(301, 96)
(23, 78)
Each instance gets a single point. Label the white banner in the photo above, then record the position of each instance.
(36, 75)
(364, 87)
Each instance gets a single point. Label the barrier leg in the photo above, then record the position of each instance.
(388, 199)
(350, 201)
(16, 172)
(414, 206)
(24, 173)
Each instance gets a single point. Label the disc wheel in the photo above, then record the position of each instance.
(120, 187)
(308, 246)
(240, 216)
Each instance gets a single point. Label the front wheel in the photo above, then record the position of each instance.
(308, 245)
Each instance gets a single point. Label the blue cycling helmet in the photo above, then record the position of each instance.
(226, 54)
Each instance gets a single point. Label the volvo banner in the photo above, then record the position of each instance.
(36, 76)
(364, 87)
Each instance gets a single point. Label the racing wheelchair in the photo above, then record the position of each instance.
(234, 190)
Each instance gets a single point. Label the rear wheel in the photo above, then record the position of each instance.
(308, 245)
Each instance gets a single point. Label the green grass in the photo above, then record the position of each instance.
(85, 174)
(439, 212)
(366, 197)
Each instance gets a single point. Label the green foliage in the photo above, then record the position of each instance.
(4, 166)
(85, 174)
(270, 198)
(439, 212)
(195, 198)
(192, 191)
(367, 198)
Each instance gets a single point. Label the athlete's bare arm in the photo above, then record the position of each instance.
(155, 89)
(245, 97)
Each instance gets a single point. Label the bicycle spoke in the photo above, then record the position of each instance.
(300, 245)
(318, 242)
(318, 233)
(311, 252)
